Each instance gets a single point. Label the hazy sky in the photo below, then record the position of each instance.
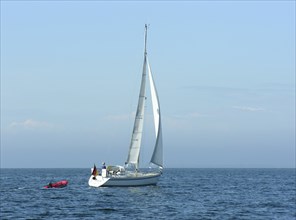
(225, 74)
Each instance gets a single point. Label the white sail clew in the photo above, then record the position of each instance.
(157, 157)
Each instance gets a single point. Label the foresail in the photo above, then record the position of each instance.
(154, 100)
(157, 156)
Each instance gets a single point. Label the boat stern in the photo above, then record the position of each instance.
(97, 181)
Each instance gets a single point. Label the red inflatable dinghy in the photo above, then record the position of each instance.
(59, 184)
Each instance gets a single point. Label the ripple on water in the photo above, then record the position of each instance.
(180, 194)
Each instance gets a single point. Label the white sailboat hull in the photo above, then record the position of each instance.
(139, 179)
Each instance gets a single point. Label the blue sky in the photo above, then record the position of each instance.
(225, 74)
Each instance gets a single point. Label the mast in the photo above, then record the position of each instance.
(145, 50)
(135, 145)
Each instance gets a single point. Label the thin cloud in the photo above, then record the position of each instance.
(30, 124)
(248, 108)
(264, 87)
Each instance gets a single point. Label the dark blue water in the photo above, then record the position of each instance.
(180, 194)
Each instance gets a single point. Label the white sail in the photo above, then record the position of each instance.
(154, 100)
(157, 156)
(134, 150)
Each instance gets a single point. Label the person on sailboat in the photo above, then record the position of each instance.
(104, 171)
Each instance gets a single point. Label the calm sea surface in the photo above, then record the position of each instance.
(180, 194)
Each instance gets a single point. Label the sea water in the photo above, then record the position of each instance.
(180, 194)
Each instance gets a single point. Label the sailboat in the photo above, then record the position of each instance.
(130, 174)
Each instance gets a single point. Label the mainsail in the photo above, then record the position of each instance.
(134, 150)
